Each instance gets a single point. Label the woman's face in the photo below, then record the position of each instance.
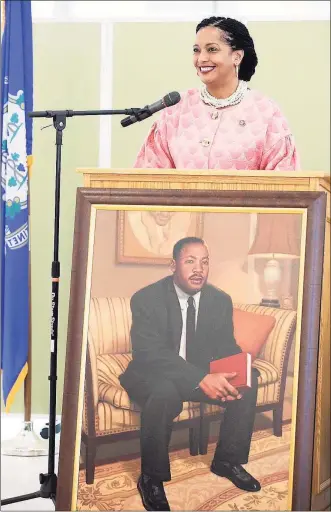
(213, 59)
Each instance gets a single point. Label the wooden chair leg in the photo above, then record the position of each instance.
(90, 453)
(204, 435)
(278, 420)
(194, 439)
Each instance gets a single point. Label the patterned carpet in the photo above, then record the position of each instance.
(193, 486)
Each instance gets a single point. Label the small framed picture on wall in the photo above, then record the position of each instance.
(148, 236)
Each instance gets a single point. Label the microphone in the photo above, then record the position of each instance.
(142, 113)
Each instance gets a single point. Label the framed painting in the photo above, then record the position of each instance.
(148, 236)
(258, 279)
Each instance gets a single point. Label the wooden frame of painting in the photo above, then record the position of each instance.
(310, 205)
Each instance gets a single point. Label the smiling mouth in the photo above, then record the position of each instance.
(206, 69)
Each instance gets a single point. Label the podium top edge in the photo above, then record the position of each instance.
(204, 172)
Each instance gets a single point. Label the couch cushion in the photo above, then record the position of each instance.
(251, 330)
(113, 420)
(110, 367)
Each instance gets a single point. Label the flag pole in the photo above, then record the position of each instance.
(28, 378)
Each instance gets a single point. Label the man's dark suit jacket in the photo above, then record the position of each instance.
(156, 334)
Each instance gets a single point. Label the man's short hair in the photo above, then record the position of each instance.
(185, 241)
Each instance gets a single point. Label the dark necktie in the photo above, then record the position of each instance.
(190, 329)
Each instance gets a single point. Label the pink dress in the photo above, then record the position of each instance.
(191, 135)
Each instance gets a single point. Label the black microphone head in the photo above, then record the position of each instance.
(171, 99)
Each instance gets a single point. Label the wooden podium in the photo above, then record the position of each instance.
(212, 180)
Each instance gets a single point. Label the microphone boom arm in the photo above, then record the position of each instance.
(72, 113)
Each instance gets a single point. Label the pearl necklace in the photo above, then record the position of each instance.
(234, 99)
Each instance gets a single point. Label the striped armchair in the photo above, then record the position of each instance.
(108, 413)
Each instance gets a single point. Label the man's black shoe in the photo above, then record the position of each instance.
(152, 493)
(237, 474)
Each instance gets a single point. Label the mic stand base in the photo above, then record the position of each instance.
(47, 490)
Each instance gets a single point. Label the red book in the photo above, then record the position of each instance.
(240, 363)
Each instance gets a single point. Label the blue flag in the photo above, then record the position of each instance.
(16, 144)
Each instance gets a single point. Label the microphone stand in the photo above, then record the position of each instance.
(48, 480)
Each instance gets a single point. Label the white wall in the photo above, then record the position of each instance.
(178, 10)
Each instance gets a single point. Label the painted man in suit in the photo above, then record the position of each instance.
(179, 325)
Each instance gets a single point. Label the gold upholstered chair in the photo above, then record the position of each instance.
(108, 413)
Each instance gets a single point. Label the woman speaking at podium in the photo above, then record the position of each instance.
(224, 125)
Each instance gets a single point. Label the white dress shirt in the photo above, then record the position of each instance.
(183, 297)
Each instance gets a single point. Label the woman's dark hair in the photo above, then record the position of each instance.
(238, 38)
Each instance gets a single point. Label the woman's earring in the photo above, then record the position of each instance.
(237, 70)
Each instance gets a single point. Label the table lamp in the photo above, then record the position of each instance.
(277, 238)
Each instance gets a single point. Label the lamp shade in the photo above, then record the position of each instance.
(277, 235)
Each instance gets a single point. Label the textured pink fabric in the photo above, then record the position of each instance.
(252, 135)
